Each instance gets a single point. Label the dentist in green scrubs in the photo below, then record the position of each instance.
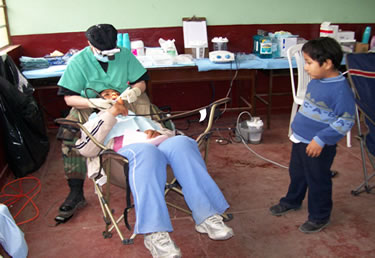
(99, 66)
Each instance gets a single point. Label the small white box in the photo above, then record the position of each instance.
(284, 43)
(345, 35)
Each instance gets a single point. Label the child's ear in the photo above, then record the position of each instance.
(328, 65)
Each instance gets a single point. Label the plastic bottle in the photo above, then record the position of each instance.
(275, 48)
(119, 40)
(265, 50)
(372, 44)
(256, 42)
(126, 41)
(366, 35)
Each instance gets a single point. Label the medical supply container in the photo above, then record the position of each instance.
(126, 41)
(251, 130)
(137, 47)
(262, 44)
(366, 35)
(219, 43)
(119, 40)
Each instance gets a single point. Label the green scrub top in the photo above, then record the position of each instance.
(84, 71)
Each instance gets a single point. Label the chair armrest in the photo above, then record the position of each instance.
(75, 126)
(195, 111)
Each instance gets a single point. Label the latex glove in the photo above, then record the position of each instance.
(99, 103)
(131, 94)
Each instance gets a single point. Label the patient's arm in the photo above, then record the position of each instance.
(99, 127)
(118, 108)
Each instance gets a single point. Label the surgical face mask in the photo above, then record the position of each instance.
(99, 56)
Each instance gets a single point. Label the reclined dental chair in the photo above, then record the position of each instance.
(115, 165)
(361, 71)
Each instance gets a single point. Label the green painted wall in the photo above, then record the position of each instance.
(51, 16)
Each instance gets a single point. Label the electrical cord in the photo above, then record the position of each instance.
(231, 82)
(20, 194)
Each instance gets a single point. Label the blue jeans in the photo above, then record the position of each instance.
(314, 174)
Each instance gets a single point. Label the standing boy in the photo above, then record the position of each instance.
(326, 115)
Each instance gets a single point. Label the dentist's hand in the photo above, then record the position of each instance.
(99, 103)
(131, 94)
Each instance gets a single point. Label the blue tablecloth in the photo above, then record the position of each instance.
(244, 62)
(249, 61)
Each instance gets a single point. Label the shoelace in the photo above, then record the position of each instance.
(162, 238)
(216, 220)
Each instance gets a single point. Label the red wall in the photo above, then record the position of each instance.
(240, 36)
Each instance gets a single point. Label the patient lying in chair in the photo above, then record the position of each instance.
(149, 148)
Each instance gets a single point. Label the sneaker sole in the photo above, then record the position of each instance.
(285, 212)
(202, 230)
(314, 231)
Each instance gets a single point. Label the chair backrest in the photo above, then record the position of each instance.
(361, 75)
(303, 78)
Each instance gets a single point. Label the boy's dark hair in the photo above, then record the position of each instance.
(324, 48)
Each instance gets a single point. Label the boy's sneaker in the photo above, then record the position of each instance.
(280, 209)
(312, 227)
(161, 245)
(215, 228)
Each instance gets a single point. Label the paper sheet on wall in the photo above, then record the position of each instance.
(195, 31)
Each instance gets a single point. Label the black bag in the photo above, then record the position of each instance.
(25, 138)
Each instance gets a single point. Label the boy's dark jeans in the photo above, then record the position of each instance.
(314, 174)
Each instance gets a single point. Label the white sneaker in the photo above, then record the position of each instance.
(161, 245)
(215, 228)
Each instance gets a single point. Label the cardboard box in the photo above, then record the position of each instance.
(361, 48)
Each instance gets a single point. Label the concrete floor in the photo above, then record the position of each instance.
(250, 184)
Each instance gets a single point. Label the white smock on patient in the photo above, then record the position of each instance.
(132, 128)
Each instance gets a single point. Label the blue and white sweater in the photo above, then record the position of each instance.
(327, 113)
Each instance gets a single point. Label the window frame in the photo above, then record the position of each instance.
(3, 7)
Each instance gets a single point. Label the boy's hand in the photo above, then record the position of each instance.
(313, 149)
(151, 134)
(118, 108)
